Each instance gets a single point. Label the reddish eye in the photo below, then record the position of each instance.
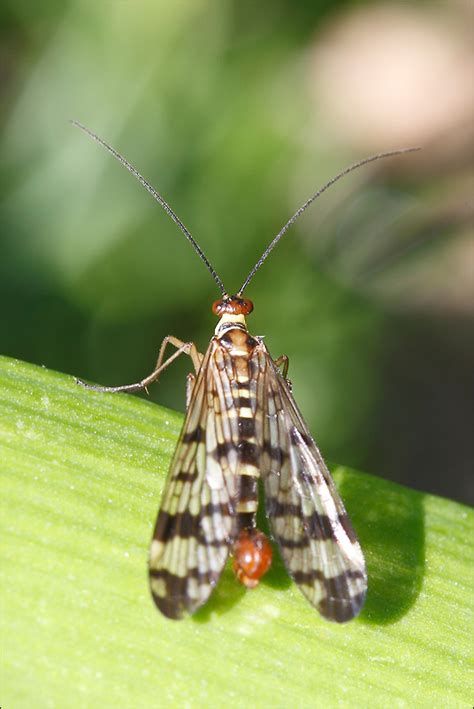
(232, 305)
(247, 306)
(252, 557)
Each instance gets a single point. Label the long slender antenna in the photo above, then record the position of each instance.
(158, 198)
(300, 211)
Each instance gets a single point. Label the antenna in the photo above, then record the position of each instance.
(300, 211)
(159, 199)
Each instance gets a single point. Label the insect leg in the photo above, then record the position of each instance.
(188, 348)
(282, 362)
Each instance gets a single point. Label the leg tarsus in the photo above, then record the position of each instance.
(98, 387)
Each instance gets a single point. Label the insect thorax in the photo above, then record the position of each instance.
(235, 337)
(229, 321)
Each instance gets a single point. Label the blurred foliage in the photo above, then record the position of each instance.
(215, 104)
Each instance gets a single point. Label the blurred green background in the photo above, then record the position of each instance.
(236, 113)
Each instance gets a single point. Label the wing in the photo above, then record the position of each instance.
(306, 514)
(195, 525)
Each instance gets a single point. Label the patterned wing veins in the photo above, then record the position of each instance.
(307, 516)
(194, 528)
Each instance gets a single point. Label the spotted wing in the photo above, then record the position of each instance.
(306, 514)
(195, 525)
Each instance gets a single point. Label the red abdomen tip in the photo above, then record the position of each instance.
(252, 557)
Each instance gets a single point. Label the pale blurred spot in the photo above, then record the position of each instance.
(271, 611)
(245, 630)
(443, 282)
(393, 75)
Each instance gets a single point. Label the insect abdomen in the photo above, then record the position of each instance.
(251, 550)
(236, 353)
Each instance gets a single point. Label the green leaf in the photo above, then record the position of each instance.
(82, 474)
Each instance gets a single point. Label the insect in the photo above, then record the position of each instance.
(242, 424)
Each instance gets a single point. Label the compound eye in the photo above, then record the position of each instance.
(218, 307)
(247, 306)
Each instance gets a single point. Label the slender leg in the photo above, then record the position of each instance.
(284, 363)
(190, 379)
(188, 348)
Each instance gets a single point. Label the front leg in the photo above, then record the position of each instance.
(188, 348)
(283, 363)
